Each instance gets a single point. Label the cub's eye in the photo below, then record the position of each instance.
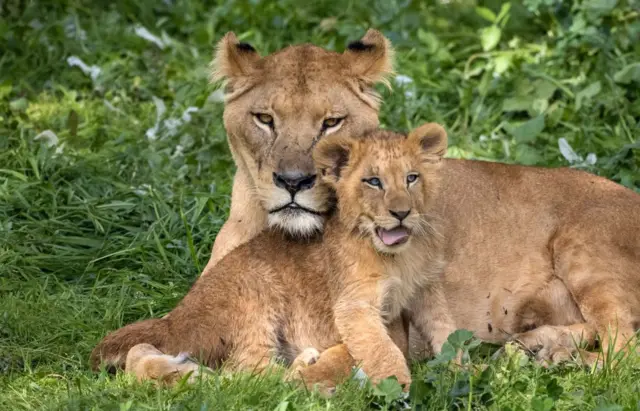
(264, 118)
(373, 182)
(412, 178)
(331, 122)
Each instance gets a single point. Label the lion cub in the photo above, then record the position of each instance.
(279, 298)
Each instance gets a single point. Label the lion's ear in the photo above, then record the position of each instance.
(233, 59)
(330, 156)
(431, 139)
(370, 58)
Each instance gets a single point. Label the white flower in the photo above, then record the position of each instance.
(48, 137)
(401, 79)
(146, 34)
(91, 71)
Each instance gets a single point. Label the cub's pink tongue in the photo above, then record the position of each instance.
(393, 236)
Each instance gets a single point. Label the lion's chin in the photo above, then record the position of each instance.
(297, 223)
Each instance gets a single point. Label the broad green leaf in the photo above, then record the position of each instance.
(486, 14)
(528, 156)
(502, 62)
(544, 89)
(529, 130)
(587, 93)
(490, 37)
(554, 389)
(599, 8)
(542, 404)
(459, 337)
(629, 73)
(389, 388)
(517, 104)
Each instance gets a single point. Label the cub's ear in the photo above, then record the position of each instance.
(431, 138)
(233, 59)
(370, 58)
(330, 156)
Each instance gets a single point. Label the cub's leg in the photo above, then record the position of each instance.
(334, 365)
(331, 368)
(431, 317)
(359, 322)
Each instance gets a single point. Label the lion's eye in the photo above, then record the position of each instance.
(373, 182)
(264, 118)
(331, 122)
(411, 178)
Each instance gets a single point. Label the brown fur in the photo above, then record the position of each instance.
(299, 87)
(275, 296)
(526, 247)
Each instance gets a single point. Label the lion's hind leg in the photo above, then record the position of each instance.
(146, 362)
(604, 281)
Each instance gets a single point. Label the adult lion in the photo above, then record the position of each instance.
(546, 256)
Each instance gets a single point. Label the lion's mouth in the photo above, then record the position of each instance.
(395, 236)
(294, 208)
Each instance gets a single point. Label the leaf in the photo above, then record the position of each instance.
(20, 104)
(587, 93)
(490, 37)
(283, 406)
(541, 404)
(389, 388)
(527, 156)
(429, 39)
(629, 73)
(544, 89)
(529, 130)
(502, 63)
(554, 389)
(503, 12)
(420, 391)
(459, 337)
(608, 407)
(598, 8)
(5, 89)
(516, 104)
(486, 14)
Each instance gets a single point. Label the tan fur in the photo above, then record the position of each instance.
(277, 297)
(299, 87)
(526, 247)
(542, 256)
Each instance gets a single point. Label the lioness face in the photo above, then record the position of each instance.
(279, 106)
(385, 182)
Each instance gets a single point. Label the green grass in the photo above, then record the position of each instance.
(108, 226)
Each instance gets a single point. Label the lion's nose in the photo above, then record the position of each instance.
(294, 181)
(400, 215)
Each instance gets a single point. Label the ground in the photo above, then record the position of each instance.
(115, 174)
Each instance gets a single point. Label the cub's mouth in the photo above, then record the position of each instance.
(393, 237)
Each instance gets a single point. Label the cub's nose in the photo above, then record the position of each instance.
(400, 215)
(294, 181)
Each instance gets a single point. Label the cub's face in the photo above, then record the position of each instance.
(279, 106)
(385, 182)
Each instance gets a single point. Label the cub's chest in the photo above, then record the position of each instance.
(401, 282)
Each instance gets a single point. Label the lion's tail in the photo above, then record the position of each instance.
(113, 349)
